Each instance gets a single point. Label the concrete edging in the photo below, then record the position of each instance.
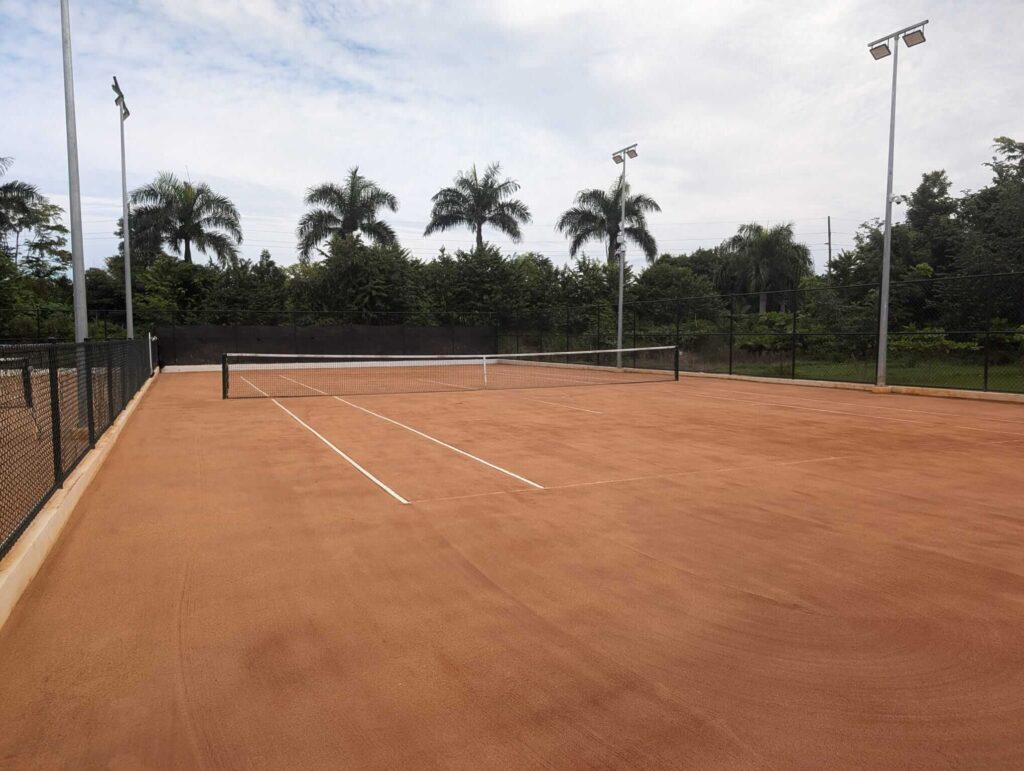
(946, 393)
(21, 564)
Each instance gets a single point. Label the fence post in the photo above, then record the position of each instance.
(568, 321)
(110, 384)
(124, 376)
(635, 324)
(678, 312)
(792, 369)
(58, 465)
(88, 393)
(732, 308)
(988, 329)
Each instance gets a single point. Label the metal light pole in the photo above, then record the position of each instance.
(126, 231)
(619, 156)
(879, 49)
(74, 185)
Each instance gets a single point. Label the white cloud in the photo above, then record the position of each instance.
(743, 110)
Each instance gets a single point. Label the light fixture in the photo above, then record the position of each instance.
(914, 37)
(631, 152)
(617, 157)
(880, 51)
(119, 101)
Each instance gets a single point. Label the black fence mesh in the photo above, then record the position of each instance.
(947, 332)
(55, 401)
(207, 343)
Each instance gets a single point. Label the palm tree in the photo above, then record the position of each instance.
(343, 210)
(597, 215)
(474, 201)
(18, 201)
(186, 215)
(767, 258)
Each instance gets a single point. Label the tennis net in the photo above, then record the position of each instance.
(247, 375)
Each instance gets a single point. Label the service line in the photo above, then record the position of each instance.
(433, 439)
(326, 441)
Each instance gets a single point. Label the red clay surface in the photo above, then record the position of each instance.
(716, 575)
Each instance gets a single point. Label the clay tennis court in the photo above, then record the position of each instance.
(703, 574)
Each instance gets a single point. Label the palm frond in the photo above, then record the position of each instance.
(380, 232)
(642, 238)
(314, 228)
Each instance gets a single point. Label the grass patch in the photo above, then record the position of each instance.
(928, 374)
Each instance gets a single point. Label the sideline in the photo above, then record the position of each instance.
(945, 393)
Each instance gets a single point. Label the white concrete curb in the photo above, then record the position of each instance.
(20, 565)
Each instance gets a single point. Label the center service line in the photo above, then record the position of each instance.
(326, 441)
(433, 439)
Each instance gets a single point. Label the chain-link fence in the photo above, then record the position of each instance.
(950, 332)
(56, 400)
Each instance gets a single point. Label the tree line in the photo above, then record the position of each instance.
(351, 267)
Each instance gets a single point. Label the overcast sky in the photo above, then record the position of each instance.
(743, 111)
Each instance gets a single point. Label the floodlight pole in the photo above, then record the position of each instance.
(620, 156)
(125, 229)
(620, 248)
(883, 299)
(74, 184)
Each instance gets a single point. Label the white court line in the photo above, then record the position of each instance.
(433, 439)
(886, 407)
(853, 414)
(575, 378)
(559, 404)
(650, 477)
(447, 385)
(326, 441)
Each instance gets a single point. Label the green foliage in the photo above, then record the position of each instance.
(759, 259)
(474, 201)
(597, 216)
(184, 215)
(927, 343)
(364, 277)
(342, 211)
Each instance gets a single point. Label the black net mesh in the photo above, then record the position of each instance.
(272, 375)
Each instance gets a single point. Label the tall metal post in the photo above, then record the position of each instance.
(879, 49)
(74, 184)
(883, 306)
(126, 229)
(620, 250)
(620, 156)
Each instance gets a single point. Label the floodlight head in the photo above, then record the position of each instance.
(914, 37)
(617, 157)
(880, 51)
(631, 152)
